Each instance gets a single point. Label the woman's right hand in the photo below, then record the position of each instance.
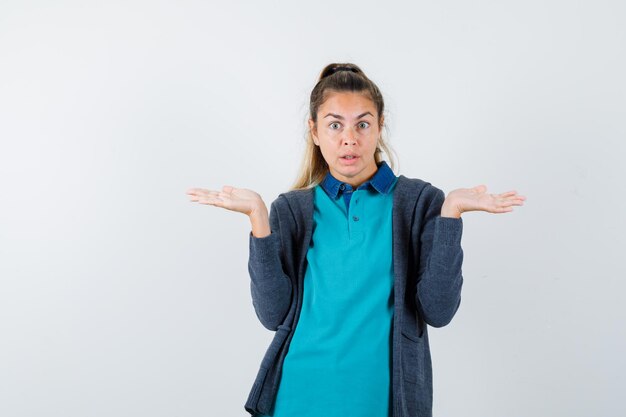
(231, 198)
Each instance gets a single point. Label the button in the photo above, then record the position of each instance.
(342, 186)
(356, 201)
(355, 218)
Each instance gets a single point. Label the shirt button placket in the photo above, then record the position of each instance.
(355, 220)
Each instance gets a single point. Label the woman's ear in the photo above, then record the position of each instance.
(313, 130)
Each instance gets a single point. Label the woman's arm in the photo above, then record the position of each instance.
(440, 278)
(269, 285)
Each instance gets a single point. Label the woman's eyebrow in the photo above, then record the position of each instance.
(341, 117)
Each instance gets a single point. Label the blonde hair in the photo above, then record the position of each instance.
(335, 78)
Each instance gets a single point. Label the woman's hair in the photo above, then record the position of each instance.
(338, 78)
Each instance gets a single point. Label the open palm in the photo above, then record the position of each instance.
(236, 199)
(477, 199)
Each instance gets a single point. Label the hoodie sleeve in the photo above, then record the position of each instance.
(440, 279)
(270, 286)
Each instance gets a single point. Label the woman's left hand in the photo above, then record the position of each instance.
(476, 199)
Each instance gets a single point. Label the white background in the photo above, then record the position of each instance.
(120, 297)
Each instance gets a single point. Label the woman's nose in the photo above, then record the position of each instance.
(349, 137)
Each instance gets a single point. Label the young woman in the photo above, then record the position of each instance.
(351, 265)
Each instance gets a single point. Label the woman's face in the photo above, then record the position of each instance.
(347, 125)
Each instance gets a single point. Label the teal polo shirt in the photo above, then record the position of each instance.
(339, 359)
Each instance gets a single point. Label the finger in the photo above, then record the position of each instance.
(194, 196)
(214, 201)
(200, 191)
(513, 194)
(200, 195)
(193, 190)
(223, 195)
(516, 201)
(513, 202)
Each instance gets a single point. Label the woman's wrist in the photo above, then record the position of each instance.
(450, 210)
(259, 219)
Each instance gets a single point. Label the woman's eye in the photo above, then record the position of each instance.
(364, 124)
(334, 124)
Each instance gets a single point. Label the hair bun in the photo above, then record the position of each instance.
(344, 68)
(334, 68)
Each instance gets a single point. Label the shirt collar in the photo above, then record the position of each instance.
(382, 181)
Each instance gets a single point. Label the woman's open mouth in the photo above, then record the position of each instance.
(349, 159)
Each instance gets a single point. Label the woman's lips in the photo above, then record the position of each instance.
(347, 161)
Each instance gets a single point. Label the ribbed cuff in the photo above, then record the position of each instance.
(262, 248)
(449, 230)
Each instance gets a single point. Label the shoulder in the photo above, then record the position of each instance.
(293, 205)
(295, 197)
(419, 188)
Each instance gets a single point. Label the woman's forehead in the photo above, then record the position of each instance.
(348, 104)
